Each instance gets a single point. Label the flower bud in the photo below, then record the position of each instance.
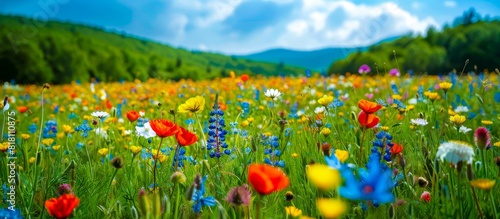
(178, 177)
(118, 162)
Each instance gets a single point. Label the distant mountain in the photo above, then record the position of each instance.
(315, 59)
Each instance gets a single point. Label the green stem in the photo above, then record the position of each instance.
(485, 173)
(154, 167)
(459, 192)
(203, 141)
(110, 183)
(177, 200)
(257, 210)
(493, 205)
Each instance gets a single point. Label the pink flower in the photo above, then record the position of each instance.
(394, 72)
(364, 69)
(482, 138)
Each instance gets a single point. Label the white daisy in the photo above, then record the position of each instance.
(412, 101)
(101, 132)
(145, 131)
(419, 121)
(319, 109)
(464, 129)
(455, 151)
(461, 109)
(100, 114)
(272, 93)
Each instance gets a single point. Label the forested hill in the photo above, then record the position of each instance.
(56, 52)
(437, 52)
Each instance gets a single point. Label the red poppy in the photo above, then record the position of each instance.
(266, 179)
(132, 115)
(185, 137)
(163, 127)
(396, 149)
(368, 107)
(63, 206)
(108, 104)
(22, 109)
(367, 120)
(244, 77)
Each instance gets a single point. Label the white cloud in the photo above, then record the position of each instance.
(450, 4)
(359, 25)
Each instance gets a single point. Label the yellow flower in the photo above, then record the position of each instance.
(25, 136)
(158, 155)
(410, 107)
(457, 119)
(497, 144)
(56, 147)
(325, 131)
(60, 135)
(4, 146)
(451, 112)
(323, 177)
(67, 129)
(32, 160)
(484, 184)
(135, 149)
(385, 128)
(305, 217)
(486, 122)
(193, 105)
(103, 151)
(331, 208)
(294, 155)
(245, 123)
(293, 211)
(445, 85)
(325, 100)
(432, 96)
(87, 117)
(48, 141)
(250, 120)
(397, 97)
(113, 182)
(342, 155)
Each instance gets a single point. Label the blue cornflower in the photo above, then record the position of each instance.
(50, 129)
(374, 183)
(84, 128)
(32, 128)
(199, 192)
(10, 214)
(336, 103)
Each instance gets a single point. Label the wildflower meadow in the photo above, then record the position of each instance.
(361, 145)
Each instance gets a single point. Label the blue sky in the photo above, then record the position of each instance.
(246, 26)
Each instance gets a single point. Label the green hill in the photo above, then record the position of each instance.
(33, 51)
(436, 52)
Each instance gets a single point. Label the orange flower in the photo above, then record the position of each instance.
(368, 107)
(163, 127)
(368, 120)
(245, 77)
(185, 137)
(63, 206)
(396, 149)
(266, 179)
(22, 109)
(132, 115)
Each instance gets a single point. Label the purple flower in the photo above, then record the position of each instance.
(364, 69)
(394, 72)
(240, 195)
